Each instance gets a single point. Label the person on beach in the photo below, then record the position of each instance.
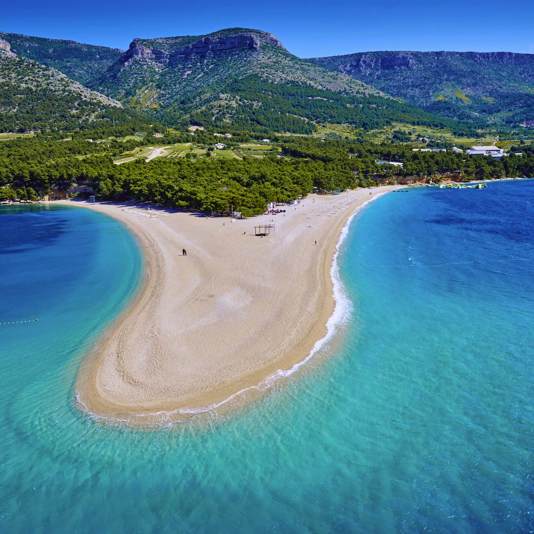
(184, 252)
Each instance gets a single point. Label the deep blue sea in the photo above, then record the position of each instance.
(421, 418)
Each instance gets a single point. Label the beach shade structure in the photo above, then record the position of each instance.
(263, 230)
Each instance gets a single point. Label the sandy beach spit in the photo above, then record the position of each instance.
(222, 319)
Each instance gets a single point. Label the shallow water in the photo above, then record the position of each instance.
(421, 419)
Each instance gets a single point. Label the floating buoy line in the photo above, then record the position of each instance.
(18, 322)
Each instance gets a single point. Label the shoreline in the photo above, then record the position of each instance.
(109, 366)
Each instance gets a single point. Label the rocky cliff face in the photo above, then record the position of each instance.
(155, 73)
(238, 76)
(221, 43)
(174, 50)
(376, 63)
(5, 48)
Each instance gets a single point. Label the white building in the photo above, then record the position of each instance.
(219, 146)
(492, 151)
(393, 163)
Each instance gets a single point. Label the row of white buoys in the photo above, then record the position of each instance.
(18, 322)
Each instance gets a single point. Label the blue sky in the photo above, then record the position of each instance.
(307, 28)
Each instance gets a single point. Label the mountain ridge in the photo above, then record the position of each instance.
(246, 77)
(241, 76)
(164, 52)
(465, 85)
(79, 61)
(34, 96)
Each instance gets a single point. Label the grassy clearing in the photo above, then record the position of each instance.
(137, 153)
(182, 150)
(224, 154)
(10, 136)
(255, 150)
(124, 139)
(335, 130)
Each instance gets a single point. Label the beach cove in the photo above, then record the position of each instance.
(218, 326)
(418, 417)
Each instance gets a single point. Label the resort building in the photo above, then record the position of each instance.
(492, 151)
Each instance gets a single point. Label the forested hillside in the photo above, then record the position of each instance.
(81, 62)
(32, 168)
(484, 88)
(35, 97)
(246, 79)
(243, 79)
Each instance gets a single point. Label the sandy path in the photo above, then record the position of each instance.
(156, 153)
(225, 317)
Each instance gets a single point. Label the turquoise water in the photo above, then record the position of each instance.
(421, 419)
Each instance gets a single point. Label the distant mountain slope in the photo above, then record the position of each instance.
(243, 77)
(492, 87)
(35, 97)
(81, 62)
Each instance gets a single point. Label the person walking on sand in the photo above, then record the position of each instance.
(184, 252)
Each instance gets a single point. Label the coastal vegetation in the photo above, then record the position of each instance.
(245, 175)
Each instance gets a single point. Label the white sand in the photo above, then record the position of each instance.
(222, 319)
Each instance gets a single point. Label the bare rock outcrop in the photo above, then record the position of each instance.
(5, 48)
(168, 51)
